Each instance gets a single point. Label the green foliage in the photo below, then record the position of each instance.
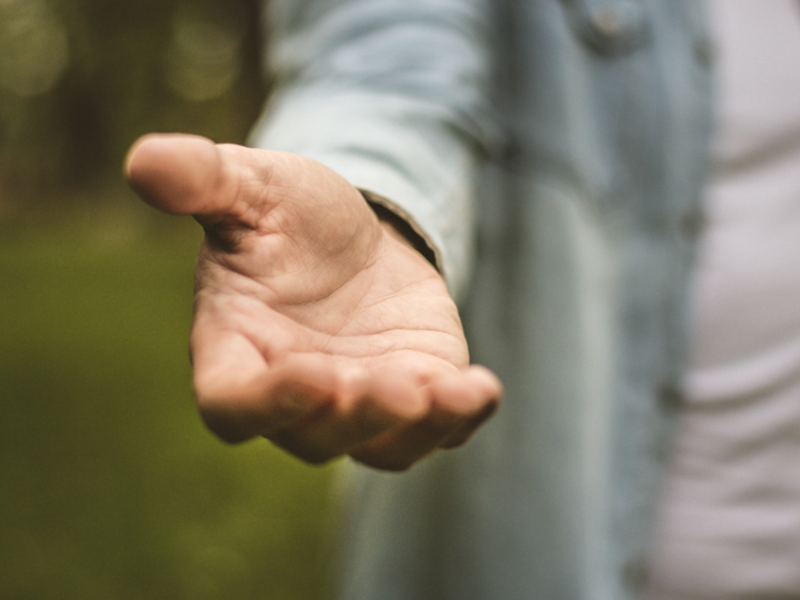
(112, 489)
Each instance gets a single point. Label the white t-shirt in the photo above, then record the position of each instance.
(729, 526)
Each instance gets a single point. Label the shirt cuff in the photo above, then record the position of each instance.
(387, 211)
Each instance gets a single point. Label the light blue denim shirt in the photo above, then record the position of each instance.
(552, 153)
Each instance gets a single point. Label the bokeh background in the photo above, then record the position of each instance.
(110, 487)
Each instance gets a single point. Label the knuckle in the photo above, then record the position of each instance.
(222, 415)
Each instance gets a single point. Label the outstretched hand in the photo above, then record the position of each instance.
(316, 326)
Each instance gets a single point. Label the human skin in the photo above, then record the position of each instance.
(315, 325)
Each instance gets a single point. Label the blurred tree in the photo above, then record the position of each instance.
(81, 79)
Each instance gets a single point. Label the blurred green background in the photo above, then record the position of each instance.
(109, 485)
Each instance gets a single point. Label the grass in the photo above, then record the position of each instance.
(111, 487)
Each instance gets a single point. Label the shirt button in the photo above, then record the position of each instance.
(607, 21)
(634, 575)
(692, 223)
(703, 52)
(669, 398)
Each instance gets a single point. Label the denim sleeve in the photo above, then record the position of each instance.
(393, 95)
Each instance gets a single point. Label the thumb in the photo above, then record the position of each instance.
(183, 174)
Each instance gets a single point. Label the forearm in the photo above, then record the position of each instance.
(392, 95)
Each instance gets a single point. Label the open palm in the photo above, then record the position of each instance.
(315, 325)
